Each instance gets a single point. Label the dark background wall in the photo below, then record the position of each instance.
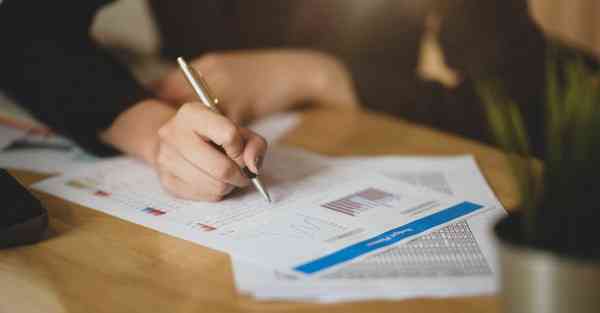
(379, 40)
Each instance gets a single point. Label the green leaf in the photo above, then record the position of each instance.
(553, 111)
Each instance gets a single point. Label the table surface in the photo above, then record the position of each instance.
(92, 262)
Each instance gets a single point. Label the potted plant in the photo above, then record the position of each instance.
(550, 249)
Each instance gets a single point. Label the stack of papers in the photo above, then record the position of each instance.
(456, 260)
(22, 148)
(361, 228)
(40, 153)
(331, 214)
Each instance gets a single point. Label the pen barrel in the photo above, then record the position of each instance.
(203, 92)
(199, 86)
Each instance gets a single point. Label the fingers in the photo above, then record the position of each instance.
(183, 190)
(185, 133)
(206, 157)
(192, 167)
(171, 161)
(215, 128)
(254, 151)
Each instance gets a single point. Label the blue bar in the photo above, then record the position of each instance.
(388, 238)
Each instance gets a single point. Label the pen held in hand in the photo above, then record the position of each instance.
(202, 90)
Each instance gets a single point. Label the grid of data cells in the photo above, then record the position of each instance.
(450, 251)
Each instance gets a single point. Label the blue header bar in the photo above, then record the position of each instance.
(388, 238)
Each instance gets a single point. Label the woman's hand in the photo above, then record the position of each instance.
(196, 152)
(201, 152)
(252, 84)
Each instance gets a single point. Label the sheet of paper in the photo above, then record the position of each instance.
(48, 154)
(276, 126)
(456, 260)
(448, 262)
(25, 150)
(51, 154)
(8, 135)
(11, 112)
(330, 214)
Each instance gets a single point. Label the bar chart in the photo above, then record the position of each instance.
(362, 201)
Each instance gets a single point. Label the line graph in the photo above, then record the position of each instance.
(298, 227)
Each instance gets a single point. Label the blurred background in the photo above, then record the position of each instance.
(572, 20)
(415, 59)
(575, 21)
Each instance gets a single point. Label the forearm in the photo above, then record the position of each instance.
(54, 69)
(135, 131)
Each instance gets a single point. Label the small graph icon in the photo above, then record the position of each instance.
(102, 194)
(154, 212)
(361, 201)
(204, 227)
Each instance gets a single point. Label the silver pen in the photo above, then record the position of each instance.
(201, 89)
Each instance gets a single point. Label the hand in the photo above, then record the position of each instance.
(252, 84)
(179, 144)
(192, 167)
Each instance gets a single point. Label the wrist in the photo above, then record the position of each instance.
(135, 131)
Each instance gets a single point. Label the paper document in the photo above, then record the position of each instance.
(49, 154)
(8, 135)
(330, 214)
(457, 260)
(16, 115)
(20, 148)
(275, 126)
(52, 154)
(323, 217)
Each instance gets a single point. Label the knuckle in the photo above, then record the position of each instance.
(222, 189)
(186, 108)
(213, 198)
(162, 158)
(226, 172)
(165, 131)
(230, 133)
(167, 183)
(190, 109)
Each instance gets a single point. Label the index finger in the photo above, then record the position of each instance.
(254, 150)
(215, 128)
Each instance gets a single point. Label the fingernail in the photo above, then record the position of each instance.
(258, 163)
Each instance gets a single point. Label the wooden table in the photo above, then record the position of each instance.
(93, 262)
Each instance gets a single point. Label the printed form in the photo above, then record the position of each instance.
(26, 150)
(8, 135)
(456, 260)
(330, 214)
(48, 154)
(54, 154)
